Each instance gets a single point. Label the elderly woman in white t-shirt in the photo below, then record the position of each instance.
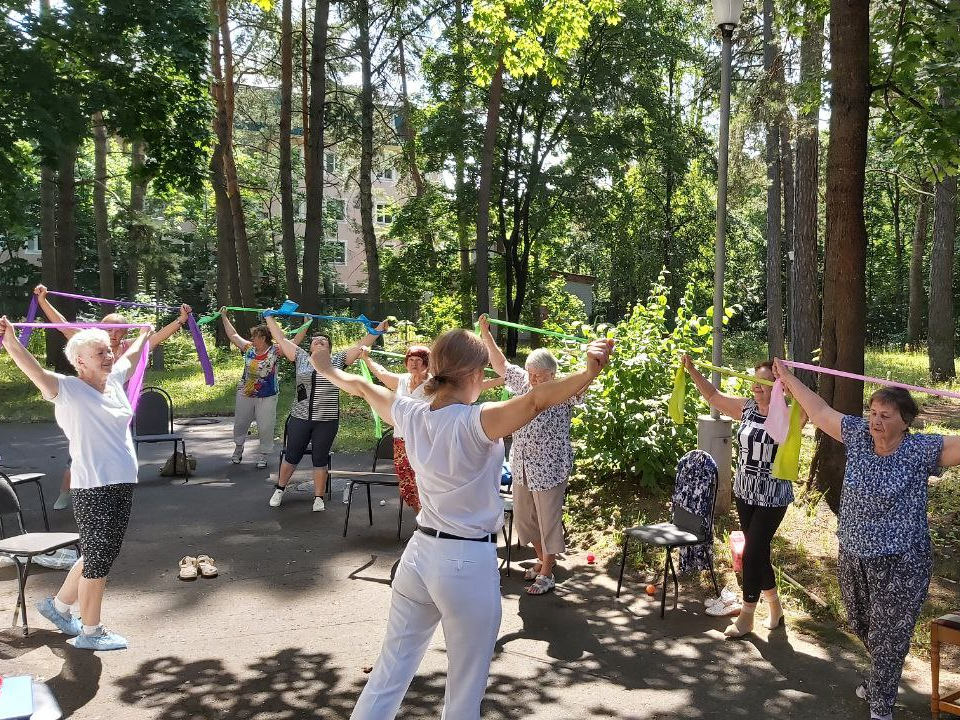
(448, 571)
(93, 411)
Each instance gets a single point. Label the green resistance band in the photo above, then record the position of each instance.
(377, 423)
(733, 373)
(216, 316)
(540, 331)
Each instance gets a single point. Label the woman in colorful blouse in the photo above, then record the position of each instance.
(258, 390)
(885, 558)
(761, 499)
(541, 457)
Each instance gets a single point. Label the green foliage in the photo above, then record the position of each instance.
(624, 433)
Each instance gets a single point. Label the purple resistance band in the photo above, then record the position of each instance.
(192, 326)
(135, 381)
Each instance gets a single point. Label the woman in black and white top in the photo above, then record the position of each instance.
(315, 413)
(761, 499)
(448, 571)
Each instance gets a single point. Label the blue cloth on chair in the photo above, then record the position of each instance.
(696, 477)
(506, 474)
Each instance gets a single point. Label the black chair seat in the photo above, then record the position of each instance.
(30, 544)
(664, 534)
(170, 437)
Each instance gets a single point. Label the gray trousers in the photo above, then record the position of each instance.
(883, 597)
(264, 411)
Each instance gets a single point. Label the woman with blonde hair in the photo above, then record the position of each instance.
(448, 571)
(94, 413)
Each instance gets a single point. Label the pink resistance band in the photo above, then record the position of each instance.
(135, 382)
(778, 420)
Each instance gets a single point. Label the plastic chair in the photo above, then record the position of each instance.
(22, 546)
(153, 423)
(686, 529)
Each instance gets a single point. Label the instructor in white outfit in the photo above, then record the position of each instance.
(448, 571)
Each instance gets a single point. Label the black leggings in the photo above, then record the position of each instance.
(759, 525)
(318, 434)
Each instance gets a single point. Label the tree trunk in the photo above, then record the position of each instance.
(365, 180)
(48, 245)
(805, 294)
(138, 231)
(895, 205)
(483, 193)
(940, 324)
(244, 265)
(66, 244)
(789, 211)
(463, 242)
(104, 251)
(918, 299)
(844, 291)
(313, 233)
(304, 83)
(774, 252)
(288, 238)
(409, 133)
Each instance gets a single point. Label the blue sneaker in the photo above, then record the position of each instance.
(67, 624)
(103, 640)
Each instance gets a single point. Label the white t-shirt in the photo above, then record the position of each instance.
(97, 426)
(403, 390)
(458, 467)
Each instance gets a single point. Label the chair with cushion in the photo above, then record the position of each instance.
(690, 528)
(945, 630)
(153, 423)
(21, 546)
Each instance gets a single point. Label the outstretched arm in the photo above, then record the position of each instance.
(491, 383)
(390, 379)
(232, 335)
(287, 347)
(379, 398)
(301, 333)
(167, 331)
(45, 380)
(139, 346)
(53, 315)
(817, 410)
(353, 352)
(729, 405)
(497, 359)
(502, 418)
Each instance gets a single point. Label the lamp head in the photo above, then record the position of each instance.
(726, 13)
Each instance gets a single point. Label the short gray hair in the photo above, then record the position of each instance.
(83, 340)
(542, 359)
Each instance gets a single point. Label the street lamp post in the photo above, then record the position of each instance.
(713, 432)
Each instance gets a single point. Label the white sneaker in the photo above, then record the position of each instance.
(262, 461)
(237, 455)
(318, 504)
(276, 498)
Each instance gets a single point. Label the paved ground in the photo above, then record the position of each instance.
(298, 611)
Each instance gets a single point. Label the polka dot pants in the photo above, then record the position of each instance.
(102, 515)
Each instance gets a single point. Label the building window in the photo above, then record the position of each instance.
(330, 162)
(387, 173)
(384, 213)
(335, 250)
(33, 245)
(336, 209)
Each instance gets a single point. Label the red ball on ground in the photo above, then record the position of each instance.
(651, 589)
(591, 558)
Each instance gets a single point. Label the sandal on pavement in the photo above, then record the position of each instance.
(542, 585)
(726, 597)
(531, 573)
(207, 568)
(725, 609)
(188, 568)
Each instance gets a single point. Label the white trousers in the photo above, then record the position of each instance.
(264, 411)
(452, 582)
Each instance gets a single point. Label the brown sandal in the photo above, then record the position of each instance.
(188, 568)
(207, 568)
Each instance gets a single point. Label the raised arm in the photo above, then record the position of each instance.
(390, 379)
(353, 352)
(167, 331)
(817, 410)
(497, 359)
(53, 315)
(729, 405)
(500, 419)
(232, 335)
(379, 398)
(139, 346)
(287, 347)
(950, 455)
(301, 333)
(492, 383)
(45, 380)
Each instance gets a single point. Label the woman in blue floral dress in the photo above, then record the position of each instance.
(885, 557)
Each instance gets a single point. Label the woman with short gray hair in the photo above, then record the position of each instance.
(541, 458)
(94, 413)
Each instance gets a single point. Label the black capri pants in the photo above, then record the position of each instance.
(318, 434)
(102, 514)
(759, 525)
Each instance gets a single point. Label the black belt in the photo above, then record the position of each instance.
(492, 537)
